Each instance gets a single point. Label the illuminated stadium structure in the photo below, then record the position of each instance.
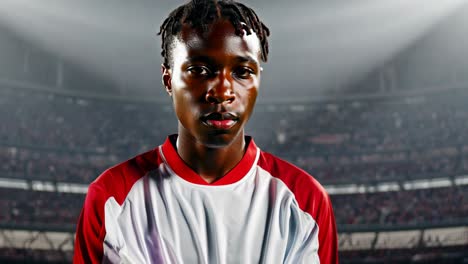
(393, 159)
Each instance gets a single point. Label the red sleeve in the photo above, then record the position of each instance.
(115, 182)
(312, 198)
(90, 231)
(328, 238)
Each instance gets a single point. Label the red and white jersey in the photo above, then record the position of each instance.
(155, 209)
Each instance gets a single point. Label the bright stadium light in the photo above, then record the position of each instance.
(326, 41)
(346, 39)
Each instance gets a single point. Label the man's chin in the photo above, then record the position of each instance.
(219, 139)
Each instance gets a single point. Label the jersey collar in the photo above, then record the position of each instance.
(180, 168)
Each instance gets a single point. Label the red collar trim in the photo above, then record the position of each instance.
(176, 163)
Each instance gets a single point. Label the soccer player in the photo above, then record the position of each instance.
(208, 194)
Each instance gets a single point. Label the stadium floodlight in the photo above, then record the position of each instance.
(332, 40)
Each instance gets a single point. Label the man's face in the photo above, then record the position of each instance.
(214, 82)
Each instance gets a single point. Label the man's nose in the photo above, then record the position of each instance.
(221, 90)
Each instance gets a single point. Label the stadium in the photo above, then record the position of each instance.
(379, 117)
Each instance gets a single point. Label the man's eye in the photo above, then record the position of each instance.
(244, 72)
(199, 70)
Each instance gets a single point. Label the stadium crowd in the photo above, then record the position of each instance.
(429, 206)
(70, 138)
(328, 128)
(34, 208)
(58, 138)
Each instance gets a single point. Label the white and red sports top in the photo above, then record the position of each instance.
(155, 209)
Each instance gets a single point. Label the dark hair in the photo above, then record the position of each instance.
(199, 14)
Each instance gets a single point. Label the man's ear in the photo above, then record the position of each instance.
(166, 78)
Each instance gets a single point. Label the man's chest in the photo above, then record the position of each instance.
(255, 221)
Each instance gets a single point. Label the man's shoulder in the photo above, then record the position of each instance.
(117, 180)
(286, 171)
(304, 186)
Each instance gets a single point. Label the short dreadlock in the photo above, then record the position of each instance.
(199, 14)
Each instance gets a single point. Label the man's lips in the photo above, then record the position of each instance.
(221, 124)
(220, 120)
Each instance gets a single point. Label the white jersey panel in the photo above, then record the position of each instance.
(165, 219)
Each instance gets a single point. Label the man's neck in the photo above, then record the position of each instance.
(210, 163)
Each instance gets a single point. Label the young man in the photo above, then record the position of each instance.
(208, 194)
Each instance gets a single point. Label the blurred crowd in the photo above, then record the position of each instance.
(432, 255)
(430, 206)
(65, 138)
(53, 166)
(34, 208)
(326, 130)
(62, 138)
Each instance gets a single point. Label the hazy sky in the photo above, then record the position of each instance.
(314, 44)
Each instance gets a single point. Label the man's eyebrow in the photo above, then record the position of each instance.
(248, 59)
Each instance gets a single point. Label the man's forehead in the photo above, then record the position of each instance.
(220, 37)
